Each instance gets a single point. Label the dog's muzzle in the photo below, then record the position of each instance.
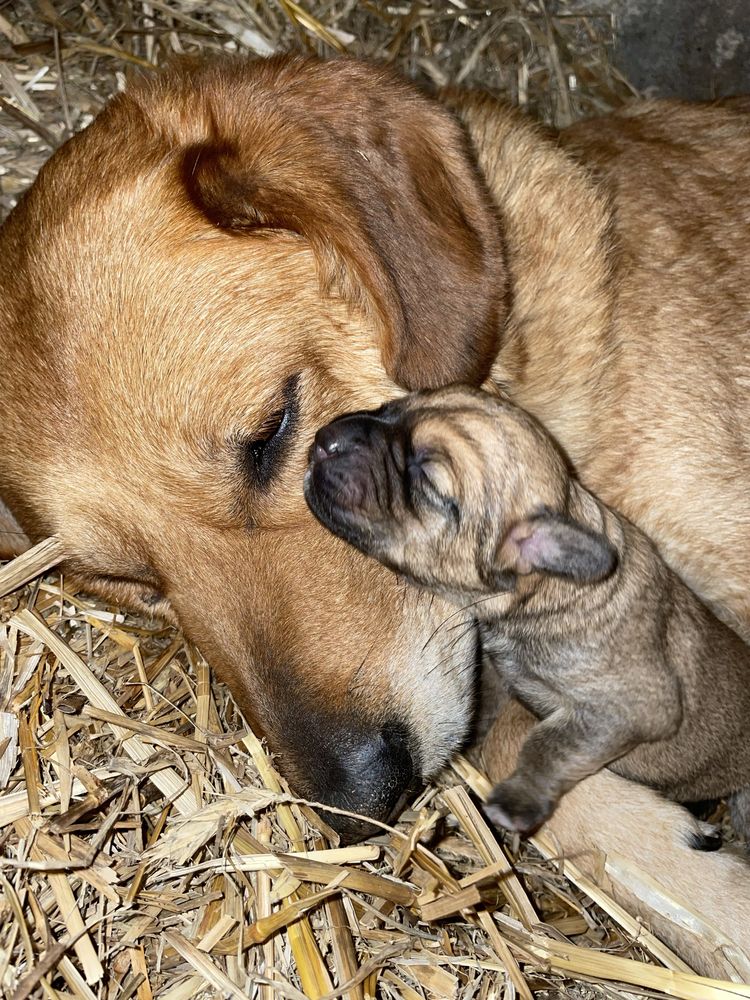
(366, 774)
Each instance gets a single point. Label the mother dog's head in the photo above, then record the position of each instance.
(232, 254)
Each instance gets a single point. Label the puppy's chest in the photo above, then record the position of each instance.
(542, 677)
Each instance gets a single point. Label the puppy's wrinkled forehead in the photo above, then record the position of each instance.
(458, 416)
(453, 444)
(482, 438)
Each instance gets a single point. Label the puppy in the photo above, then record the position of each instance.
(466, 495)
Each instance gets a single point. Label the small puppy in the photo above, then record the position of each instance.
(466, 495)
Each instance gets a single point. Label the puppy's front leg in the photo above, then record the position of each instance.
(560, 751)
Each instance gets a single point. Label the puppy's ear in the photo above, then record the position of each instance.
(559, 546)
(379, 180)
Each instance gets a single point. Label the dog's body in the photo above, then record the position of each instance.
(649, 359)
(463, 493)
(234, 253)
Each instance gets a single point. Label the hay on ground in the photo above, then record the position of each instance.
(59, 63)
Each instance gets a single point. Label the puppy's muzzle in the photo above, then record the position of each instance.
(355, 471)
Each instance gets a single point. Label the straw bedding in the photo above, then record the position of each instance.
(152, 850)
(149, 848)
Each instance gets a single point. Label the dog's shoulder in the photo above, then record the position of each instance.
(676, 135)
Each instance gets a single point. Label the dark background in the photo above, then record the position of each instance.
(696, 49)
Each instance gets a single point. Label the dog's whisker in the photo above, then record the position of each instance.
(354, 679)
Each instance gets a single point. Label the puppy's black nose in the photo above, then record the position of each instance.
(326, 442)
(349, 460)
(343, 435)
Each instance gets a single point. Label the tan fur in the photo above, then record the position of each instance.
(142, 344)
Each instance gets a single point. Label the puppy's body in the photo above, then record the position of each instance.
(632, 672)
(463, 493)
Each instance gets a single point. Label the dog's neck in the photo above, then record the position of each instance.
(557, 225)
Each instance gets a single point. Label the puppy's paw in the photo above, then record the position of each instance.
(515, 806)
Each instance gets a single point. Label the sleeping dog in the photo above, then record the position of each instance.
(466, 495)
(236, 251)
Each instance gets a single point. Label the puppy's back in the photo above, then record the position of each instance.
(709, 755)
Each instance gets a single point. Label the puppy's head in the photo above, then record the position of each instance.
(456, 489)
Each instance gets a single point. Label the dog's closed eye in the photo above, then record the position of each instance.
(263, 451)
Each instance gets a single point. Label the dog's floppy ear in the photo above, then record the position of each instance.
(559, 546)
(378, 179)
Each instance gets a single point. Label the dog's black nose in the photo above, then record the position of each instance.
(367, 774)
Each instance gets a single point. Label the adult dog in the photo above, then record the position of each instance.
(234, 252)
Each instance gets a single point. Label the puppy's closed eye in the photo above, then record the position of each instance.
(431, 471)
(429, 484)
